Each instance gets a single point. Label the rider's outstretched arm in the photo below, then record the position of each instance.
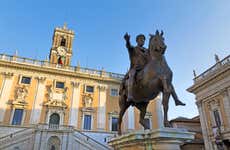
(128, 44)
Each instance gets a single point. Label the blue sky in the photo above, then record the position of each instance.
(194, 30)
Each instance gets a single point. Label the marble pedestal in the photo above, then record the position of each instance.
(157, 139)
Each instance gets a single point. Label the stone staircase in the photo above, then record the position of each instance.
(23, 139)
(89, 142)
(37, 137)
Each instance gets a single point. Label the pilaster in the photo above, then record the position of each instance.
(203, 122)
(75, 101)
(5, 92)
(101, 115)
(38, 100)
(131, 120)
(160, 117)
(226, 102)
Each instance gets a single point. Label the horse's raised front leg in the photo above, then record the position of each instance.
(123, 106)
(175, 97)
(142, 107)
(165, 103)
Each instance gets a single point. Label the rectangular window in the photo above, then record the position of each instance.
(114, 92)
(25, 80)
(147, 121)
(87, 122)
(89, 89)
(17, 119)
(60, 85)
(217, 118)
(114, 123)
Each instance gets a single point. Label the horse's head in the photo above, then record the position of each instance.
(156, 43)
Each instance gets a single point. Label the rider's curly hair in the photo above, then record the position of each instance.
(140, 35)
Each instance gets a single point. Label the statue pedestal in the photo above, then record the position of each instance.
(157, 139)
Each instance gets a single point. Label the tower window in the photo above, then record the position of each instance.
(63, 42)
(17, 119)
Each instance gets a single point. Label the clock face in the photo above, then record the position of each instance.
(61, 51)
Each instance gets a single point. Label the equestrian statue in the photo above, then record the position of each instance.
(149, 74)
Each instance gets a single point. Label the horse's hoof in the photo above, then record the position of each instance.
(167, 124)
(179, 103)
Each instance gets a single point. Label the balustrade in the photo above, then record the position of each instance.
(35, 62)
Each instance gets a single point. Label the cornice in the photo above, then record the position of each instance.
(209, 80)
(56, 71)
(61, 30)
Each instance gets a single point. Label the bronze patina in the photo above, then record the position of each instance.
(149, 75)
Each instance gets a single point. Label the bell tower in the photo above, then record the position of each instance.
(61, 50)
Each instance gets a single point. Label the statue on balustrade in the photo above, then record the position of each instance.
(149, 74)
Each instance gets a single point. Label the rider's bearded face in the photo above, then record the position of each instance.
(140, 41)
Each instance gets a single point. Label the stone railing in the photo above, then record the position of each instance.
(5, 140)
(84, 138)
(54, 127)
(46, 63)
(219, 65)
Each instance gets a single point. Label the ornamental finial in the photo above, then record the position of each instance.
(217, 58)
(78, 63)
(65, 26)
(16, 52)
(194, 73)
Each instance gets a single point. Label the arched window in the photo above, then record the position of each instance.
(54, 143)
(54, 120)
(63, 42)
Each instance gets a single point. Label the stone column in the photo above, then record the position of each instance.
(131, 120)
(74, 106)
(5, 92)
(101, 116)
(159, 111)
(203, 123)
(38, 100)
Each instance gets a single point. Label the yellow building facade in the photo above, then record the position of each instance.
(55, 96)
(212, 91)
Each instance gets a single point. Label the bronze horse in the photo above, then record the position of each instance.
(156, 77)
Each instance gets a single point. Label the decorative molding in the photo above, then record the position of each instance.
(87, 101)
(40, 79)
(52, 69)
(224, 93)
(215, 103)
(75, 84)
(56, 99)
(209, 106)
(198, 103)
(53, 110)
(113, 113)
(21, 92)
(102, 87)
(7, 74)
